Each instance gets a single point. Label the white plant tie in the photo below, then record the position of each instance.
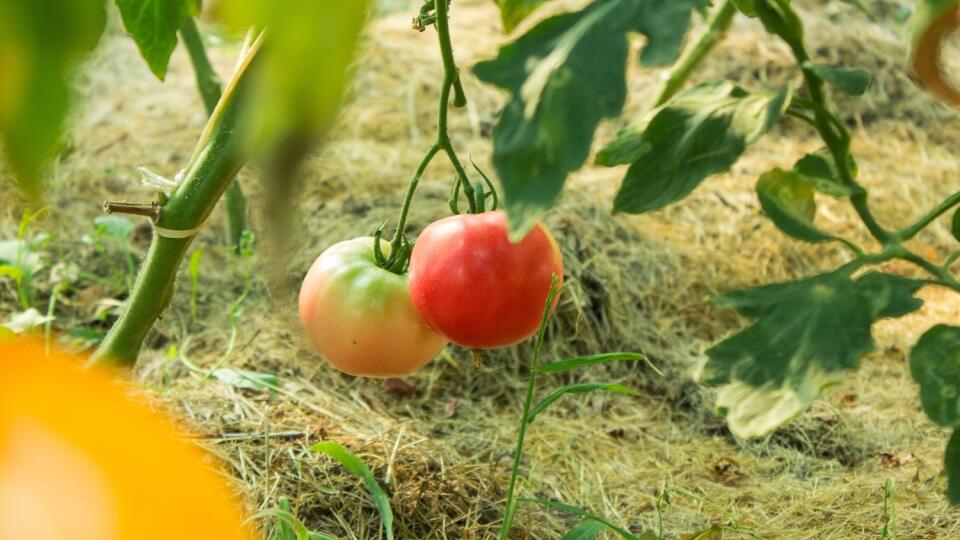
(153, 180)
(178, 234)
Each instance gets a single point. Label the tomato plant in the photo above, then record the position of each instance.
(470, 283)
(359, 316)
(807, 334)
(65, 472)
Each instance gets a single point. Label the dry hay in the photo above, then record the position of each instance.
(443, 442)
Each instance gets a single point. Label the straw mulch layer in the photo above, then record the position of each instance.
(442, 440)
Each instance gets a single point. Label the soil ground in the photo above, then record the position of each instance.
(442, 439)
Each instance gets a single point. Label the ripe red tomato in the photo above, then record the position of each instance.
(359, 316)
(474, 286)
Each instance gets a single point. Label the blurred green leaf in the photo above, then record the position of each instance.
(565, 75)
(241, 378)
(576, 511)
(358, 468)
(9, 271)
(41, 42)
(587, 529)
(746, 7)
(852, 81)
(951, 463)
(819, 170)
(579, 362)
(305, 66)
(17, 253)
(576, 389)
(935, 365)
(788, 202)
(26, 320)
(153, 24)
(699, 132)
(116, 227)
(514, 11)
(955, 225)
(807, 334)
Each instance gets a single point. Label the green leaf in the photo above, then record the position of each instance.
(12, 272)
(699, 132)
(587, 529)
(581, 361)
(153, 24)
(819, 170)
(576, 389)
(26, 320)
(955, 225)
(852, 81)
(241, 378)
(788, 202)
(560, 92)
(576, 511)
(514, 11)
(359, 469)
(746, 7)
(890, 296)
(951, 463)
(17, 253)
(41, 44)
(627, 147)
(807, 334)
(117, 227)
(303, 70)
(282, 528)
(935, 365)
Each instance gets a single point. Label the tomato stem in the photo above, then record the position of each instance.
(451, 81)
(216, 160)
(718, 24)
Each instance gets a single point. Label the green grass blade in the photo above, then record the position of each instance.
(581, 361)
(359, 469)
(577, 511)
(587, 529)
(577, 389)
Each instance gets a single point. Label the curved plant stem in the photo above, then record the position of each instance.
(718, 25)
(451, 80)
(511, 504)
(216, 160)
(209, 86)
(910, 231)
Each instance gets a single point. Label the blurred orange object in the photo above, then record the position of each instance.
(80, 459)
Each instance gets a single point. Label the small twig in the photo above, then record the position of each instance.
(247, 436)
(150, 210)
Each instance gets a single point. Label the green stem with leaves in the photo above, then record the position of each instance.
(837, 139)
(451, 80)
(216, 160)
(511, 504)
(209, 86)
(717, 26)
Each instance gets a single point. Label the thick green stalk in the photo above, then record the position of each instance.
(216, 160)
(717, 27)
(209, 86)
